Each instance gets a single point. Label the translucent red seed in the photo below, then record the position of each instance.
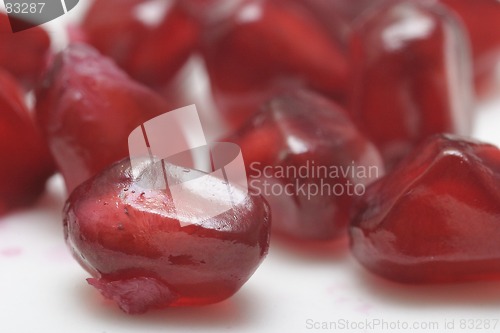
(151, 51)
(144, 253)
(412, 76)
(296, 151)
(23, 54)
(435, 218)
(264, 47)
(87, 108)
(26, 161)
(482, 20)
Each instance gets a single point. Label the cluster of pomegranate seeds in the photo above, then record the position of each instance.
(263, 47)
(26, 161)
(144, 252)
(87, 107)
(324, 97)
(309, 161)
(435, 218)
(482, 20)
(150, 40)
(411, 76)
(23, 54)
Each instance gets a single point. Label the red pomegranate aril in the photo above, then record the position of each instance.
(23, 54)
(87, 108)
(145, 253)
(26, 161)
(435, 218)
(412, 76)
(114, 35)
(151, 50)
(265, 47)
(301, 130)
(482, 19)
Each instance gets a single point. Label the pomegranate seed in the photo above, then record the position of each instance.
(302, 132)
(144, 253)
(151, 51)
(482, 19)
(435, 218)
(265, 46)
(412, 77)
(87, 108)
(23, 54)
(26, 162)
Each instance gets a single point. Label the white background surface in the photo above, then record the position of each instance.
(42, 290)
